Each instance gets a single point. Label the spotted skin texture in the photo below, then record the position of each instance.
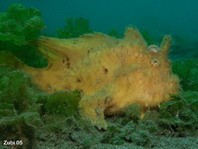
(111, 73)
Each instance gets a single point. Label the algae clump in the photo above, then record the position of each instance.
(19, 116)
(65, 103)
(74, 28)
(187, 70)
(19, 27)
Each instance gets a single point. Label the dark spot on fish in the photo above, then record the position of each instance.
(88, 52)
(68, 64)
(68, 88)
(105, 70)
(78, 80)
(66, 60)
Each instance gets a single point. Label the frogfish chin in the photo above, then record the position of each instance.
(111, 73)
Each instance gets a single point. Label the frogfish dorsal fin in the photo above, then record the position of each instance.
(133, 33)
(54, 49)
(74, 49)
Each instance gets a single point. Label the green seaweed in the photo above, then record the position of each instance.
(19, 28)
(20, 25)
(19, 116)
(65, 103)
(24, 108)
(115, 33)
(181, 115)
(187, 70)
(75, 27)
(183, 48)
(147, 37)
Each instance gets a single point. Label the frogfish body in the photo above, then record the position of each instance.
(111, 73)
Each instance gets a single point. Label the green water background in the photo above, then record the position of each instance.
(175, 17)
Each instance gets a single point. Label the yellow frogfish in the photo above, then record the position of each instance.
(111, 73)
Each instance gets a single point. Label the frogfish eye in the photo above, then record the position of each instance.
(155, 62)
